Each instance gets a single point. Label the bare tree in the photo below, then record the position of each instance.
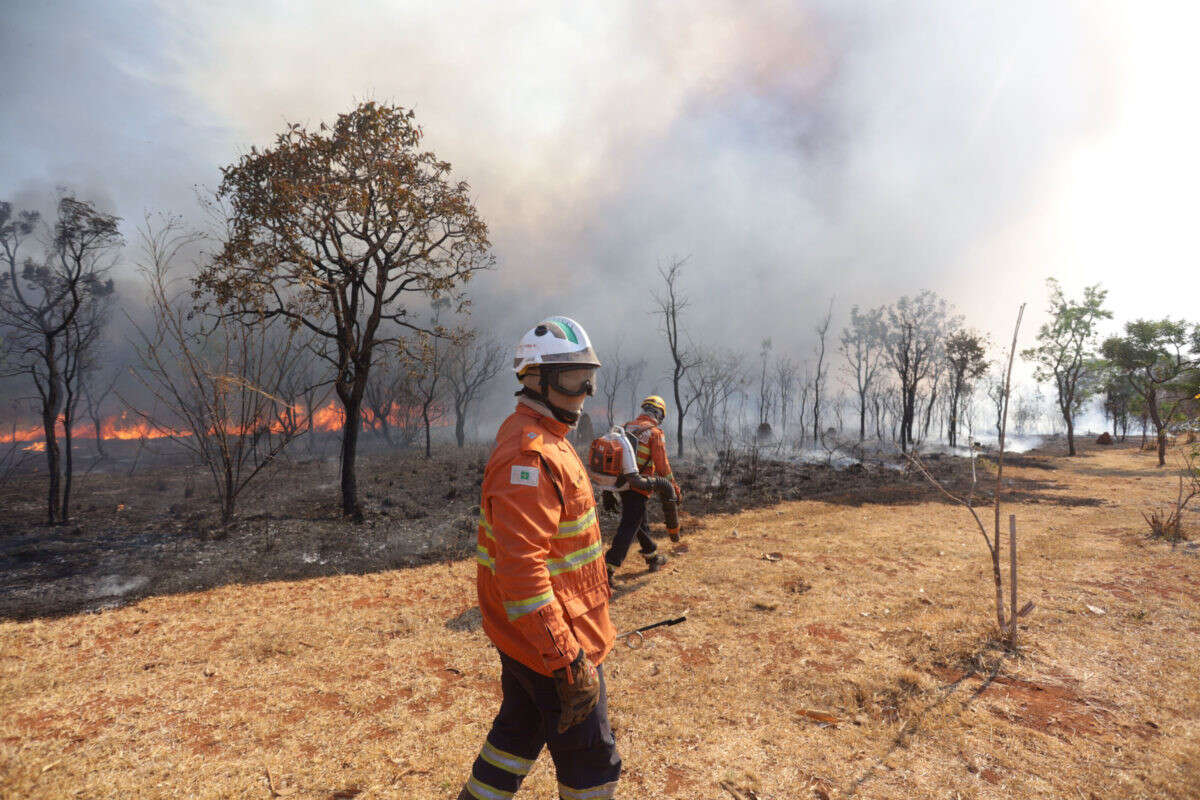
(97, 386)
(304, 393)
(787, 371)
(215, 382)
(392, 407)
(716, 379)
(39, 302)
(428, 362)
(1003, 622)
(670, 304)
(332, 229)
(634, 370)
(821, 329)
(472, 364)
(764, 394)
(612, 378)
(862, 345)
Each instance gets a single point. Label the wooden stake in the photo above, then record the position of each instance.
(1012, 579)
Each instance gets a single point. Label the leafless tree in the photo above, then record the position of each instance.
(40, 300)
(716, 380)
(765, 393)
(215, 382)
(98, 384)
(862, 345)
(392, 407)
(13, 452)
(634, 370)
(612, 378)
(304, 392)
(670, 303)
(427, 352)
(1003, 621)
(787, 371)
(472, 364)
(1029, 408)
(821, 328)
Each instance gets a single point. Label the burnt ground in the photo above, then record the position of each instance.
(154, 532)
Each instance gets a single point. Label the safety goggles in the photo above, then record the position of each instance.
(573, 382)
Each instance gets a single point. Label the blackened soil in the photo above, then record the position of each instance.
(155, 532)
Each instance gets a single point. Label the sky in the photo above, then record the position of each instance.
(792, 152)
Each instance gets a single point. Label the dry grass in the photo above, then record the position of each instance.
(877, 616)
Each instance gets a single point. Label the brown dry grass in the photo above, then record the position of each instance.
(876, 615)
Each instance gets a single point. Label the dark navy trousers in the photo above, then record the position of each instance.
(585, 756)
(633, 523)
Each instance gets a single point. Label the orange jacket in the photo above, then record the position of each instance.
(651, 450)
(543, 589)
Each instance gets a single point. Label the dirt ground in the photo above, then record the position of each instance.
(834, 647)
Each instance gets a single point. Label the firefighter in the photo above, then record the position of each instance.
(652, 460)
(542, 585)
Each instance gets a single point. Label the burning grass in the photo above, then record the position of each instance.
(831, 650)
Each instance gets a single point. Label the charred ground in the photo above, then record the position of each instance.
(154, 531)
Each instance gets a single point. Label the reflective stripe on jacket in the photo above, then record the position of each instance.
(543, 589)
(651, 450)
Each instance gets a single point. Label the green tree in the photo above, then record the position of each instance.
(331, 229)
(1065, 349)
(1153, 356)
(966, 354)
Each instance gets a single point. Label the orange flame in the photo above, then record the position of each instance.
(127, 426)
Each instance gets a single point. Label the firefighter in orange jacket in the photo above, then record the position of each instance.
(543, 590)
(651, 461)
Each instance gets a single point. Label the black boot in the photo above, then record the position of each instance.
(654, 561)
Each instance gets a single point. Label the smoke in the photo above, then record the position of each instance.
(794, 151)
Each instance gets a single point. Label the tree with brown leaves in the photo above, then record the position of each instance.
(332, 229)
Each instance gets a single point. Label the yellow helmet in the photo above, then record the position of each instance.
(655, 403)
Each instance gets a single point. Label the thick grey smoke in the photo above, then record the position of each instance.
(795, 151)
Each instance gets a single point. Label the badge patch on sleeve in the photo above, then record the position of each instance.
(525, 476)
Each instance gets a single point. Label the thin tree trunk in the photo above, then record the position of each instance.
(460, 428)
(69, 466)
(50, 407)
(350, 428)
(425, 417)
(996, 575)
(862, 419)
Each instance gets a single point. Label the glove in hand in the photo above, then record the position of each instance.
(578, 686)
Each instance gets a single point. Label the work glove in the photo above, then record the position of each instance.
(578, 686)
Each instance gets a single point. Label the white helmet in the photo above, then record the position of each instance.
(555, 342)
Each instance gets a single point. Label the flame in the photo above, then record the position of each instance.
(128, 426)
(36, 447)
